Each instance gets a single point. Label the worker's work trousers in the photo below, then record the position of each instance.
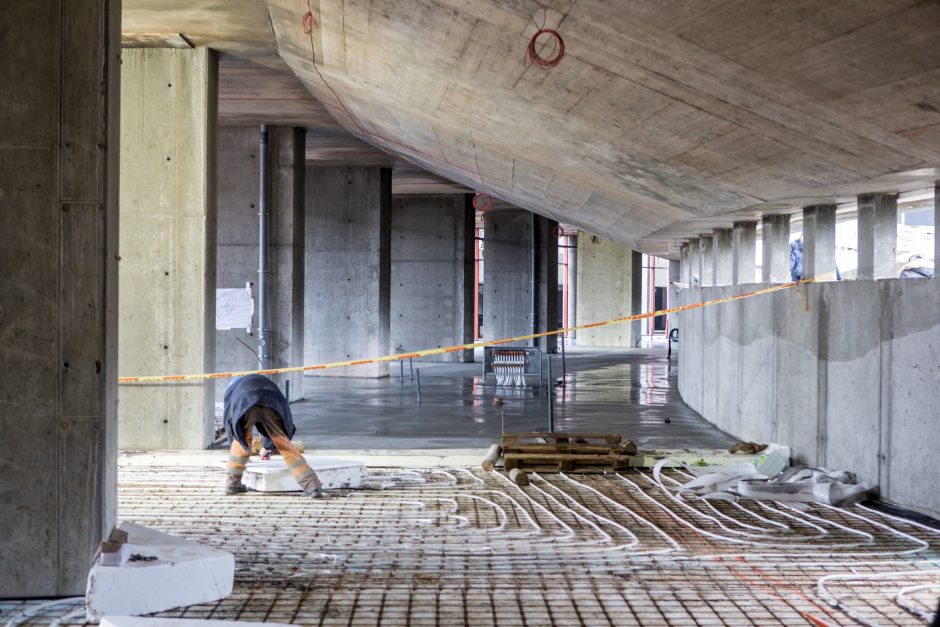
(269, 420)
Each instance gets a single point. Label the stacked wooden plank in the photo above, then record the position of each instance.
(566, 452)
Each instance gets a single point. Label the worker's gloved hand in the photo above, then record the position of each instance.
(265, 454)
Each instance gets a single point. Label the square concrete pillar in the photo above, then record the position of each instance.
(936, 232)
(685, 266)
(606, 281)
(724, 257)
(744, 252)
(59, 201)
(695, 263)
(706, 245)
(432, 273)
(819, 242)
(508, 279)
(237, 260)
(636, 295)
(348, 268)
(168, 245)
(877, 236)
(775, 235)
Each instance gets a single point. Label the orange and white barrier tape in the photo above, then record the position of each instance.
(453, 349)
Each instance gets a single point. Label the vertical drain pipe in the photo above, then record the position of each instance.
(263, 353)
(533, 283)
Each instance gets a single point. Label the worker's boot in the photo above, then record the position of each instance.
(235, 489)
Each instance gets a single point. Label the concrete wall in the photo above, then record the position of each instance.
(237, 259)
(347, 272)
(58, 201)
(432, 274)
(168, 231)
(850, 383)
(605, 291)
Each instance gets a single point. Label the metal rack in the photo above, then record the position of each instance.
(510, 365)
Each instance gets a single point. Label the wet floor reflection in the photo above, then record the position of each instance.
(626, 391)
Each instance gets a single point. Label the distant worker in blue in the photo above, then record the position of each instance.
(796, 261)
(255, 402)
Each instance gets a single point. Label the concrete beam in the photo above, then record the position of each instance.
(168, 244)
(819, 241)
(744, 252)
(724, 257)
(775, 235)
(237, 259)
(432, 273)
(877, 236)
(59, 201)
(348, 267)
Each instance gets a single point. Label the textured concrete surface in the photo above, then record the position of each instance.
(724, 257)
(168, 244)
(848, 383)
(877, 236)
(507, 276)
(819, 241)
(432, 273)
(347, 267)
(605, 289)
(775, 242)
(58, 354)
(237, 259)
(627, 391)
(744, 252)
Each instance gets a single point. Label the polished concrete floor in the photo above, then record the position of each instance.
(628, 391)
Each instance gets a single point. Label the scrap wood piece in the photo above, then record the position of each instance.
(519, 477)
(751, 448)
(492, 456)
(580, 438)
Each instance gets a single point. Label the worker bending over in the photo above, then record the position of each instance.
(255, 402)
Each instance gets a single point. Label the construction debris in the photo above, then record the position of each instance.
(751, 448)
(566, 452)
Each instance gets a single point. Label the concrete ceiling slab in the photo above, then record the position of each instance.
(664, 118)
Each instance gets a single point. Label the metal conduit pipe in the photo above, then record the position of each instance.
(263, 352)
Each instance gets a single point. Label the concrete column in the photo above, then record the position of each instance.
(877, 236)
(58, 197)
(724, 257)
(775, 233)
(706, 245)
(605, 291)
(237, 260)
(636, 296)
(684, 269)
(695, 263)
(508, 279)
(819, 242)
(936, 232)
(572, 286)
(743, 250)
(432, 273)
(348, 268)
(168, 245)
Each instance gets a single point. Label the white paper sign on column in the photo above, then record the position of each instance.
(234, 308)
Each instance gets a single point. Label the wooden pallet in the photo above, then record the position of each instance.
(561, 438)
(566, 452)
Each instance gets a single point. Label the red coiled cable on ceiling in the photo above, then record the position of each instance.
(558, 49)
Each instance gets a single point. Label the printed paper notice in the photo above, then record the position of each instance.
(233, 309)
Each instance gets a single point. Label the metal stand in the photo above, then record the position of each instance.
(418, 386)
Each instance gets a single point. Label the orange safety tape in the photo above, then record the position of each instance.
(459, 347)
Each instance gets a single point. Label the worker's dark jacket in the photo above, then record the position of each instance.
(242, 394)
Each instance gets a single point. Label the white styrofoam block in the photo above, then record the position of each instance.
(273, 476)
(118, 558)
(134, 621)
(184, 573)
